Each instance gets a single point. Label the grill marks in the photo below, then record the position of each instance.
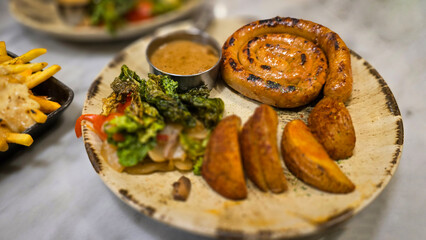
(247, 52)
(249, 55)
(290, 89)
(232, 63)
(303, 56)
(252, 41)
(231, 41)
(266, 67)
(272, 84)
(254, 78)
(277, 20)
(332, 37)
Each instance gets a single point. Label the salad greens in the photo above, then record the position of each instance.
(207, 110)
(161, 92)
(115, 13)
(110, 12)
(154, 102)
(162, 6)
(194, 149)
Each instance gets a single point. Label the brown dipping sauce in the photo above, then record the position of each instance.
(184, 57)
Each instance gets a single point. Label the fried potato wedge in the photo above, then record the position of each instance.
(261, 158)
(331, 124)
(306, 158)
(222, 167)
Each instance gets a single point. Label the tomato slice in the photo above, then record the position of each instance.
(162, 137)
(121, 107)
(142, 11)
(118, 137)
(97, 121)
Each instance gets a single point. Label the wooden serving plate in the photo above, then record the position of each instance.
(302, 211)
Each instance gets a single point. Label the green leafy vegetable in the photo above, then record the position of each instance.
(198, 163)
(162, 6)
(115, 13)
(139, 133)
(207, 110)
(127, 84)
(194, 149)
(155, 101)
(168, 86)
(140, 123)
(168, 104)
(110, 12)
(130, 152)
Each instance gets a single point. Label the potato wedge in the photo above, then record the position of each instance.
(261, 158)
(222, 167)
(306, 158)
(331, 124)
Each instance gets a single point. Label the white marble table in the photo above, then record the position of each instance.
(52, 191)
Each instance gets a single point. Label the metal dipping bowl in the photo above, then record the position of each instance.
(187, 82)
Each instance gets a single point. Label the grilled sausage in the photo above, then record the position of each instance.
(285, 62)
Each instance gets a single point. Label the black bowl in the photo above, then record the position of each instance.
(56, 91)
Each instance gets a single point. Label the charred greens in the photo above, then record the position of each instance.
(160, 91)
(207, 110)
(150, 104)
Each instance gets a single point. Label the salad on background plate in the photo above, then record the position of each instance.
(101, 20)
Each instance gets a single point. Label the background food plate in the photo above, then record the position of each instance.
(57, 92)
(301, 211)
(44, 16)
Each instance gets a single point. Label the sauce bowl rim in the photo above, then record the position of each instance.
(192, 32)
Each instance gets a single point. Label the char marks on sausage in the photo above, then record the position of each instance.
(286, 57)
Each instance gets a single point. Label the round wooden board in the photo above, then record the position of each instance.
(44, 16)
(302, 210)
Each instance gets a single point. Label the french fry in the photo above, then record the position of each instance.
(19, 138)
(17, 68)
(3, 145)
(26, 73)
(42, 76)
(17, 77)
(30, 55)
(46, 106)
(37, 115)
(4, 58)
(3, 51)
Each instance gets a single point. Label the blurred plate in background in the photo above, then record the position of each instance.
(44, 16)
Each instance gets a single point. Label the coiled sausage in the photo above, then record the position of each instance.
(285, 62)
